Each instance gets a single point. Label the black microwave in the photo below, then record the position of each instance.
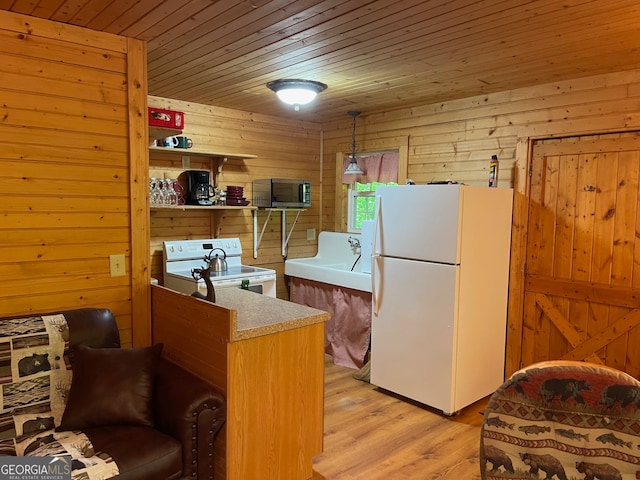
(281, 193)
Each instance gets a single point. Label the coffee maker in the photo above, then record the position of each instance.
(199, 190)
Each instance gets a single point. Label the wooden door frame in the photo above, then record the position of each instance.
(519, 231)
(519, 234)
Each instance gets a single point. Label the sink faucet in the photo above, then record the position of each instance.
(354, 242)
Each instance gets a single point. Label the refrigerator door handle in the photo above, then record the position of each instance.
(375, 264)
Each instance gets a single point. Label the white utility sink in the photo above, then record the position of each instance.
(336, 263)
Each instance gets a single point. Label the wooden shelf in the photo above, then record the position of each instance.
(202, 207)
(217, 211)
(201, 153)
(217, 161)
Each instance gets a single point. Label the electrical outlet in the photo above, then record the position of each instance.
(186, 161)
(117, 265)
(311, 233)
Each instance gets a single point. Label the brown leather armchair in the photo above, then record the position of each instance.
(188, 413)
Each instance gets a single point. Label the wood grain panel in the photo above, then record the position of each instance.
(583, 224)
(58, 154)
(66, 200)
(65, 121)
(368, 31)
(449, 138)
(103, 180)
(61, 251)
(47, 85)
(263, 370)
(23, 25)
(603, 231)
(138, 134)
(284, 369)
(73, 107)
(586, 312)
(65, 299)
(455, 139)
(376, 56)
(62, 204)
(84, 266)
(624, 231)
(199, 340)
(105, 146)
(597, 291)
(285, 149)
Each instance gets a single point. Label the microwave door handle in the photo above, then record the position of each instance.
(306, 198)
(302, 192)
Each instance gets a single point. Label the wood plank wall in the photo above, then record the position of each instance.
(455, 140)
(285, 148)
(66, 199)
(65, 168)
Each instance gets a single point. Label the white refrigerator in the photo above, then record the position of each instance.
(440, 272)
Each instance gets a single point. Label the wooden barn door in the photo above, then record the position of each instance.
(582, 275)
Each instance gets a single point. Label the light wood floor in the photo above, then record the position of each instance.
(370, 434)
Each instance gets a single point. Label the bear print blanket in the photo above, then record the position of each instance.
(35, 377)
(563, 421)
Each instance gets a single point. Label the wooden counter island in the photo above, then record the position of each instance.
(267, 356)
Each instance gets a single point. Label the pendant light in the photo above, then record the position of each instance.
(296, 92)
(353, 168)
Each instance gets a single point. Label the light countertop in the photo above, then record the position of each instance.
(259, 315)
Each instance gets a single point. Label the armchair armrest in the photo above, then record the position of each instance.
(192, 411)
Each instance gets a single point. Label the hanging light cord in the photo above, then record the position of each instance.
(353, 168)
(354, 114)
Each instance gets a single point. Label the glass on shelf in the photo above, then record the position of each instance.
(155, 193)
(169, 196)
(165, 192)
(168, 192)
(177, 188)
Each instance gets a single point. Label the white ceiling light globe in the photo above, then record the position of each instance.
(296, 92)
(293, 96)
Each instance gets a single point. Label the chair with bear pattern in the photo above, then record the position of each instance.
(563, 420)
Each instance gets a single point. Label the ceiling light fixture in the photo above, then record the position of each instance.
(296, 92)
(353, 168)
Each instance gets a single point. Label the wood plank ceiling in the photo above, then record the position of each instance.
(375, 55)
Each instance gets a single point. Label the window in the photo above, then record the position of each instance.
(378, 169)
(362, 203)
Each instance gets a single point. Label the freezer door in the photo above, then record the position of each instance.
(418, 222)
(412, 333)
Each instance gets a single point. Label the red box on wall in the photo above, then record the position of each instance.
(160, 117)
